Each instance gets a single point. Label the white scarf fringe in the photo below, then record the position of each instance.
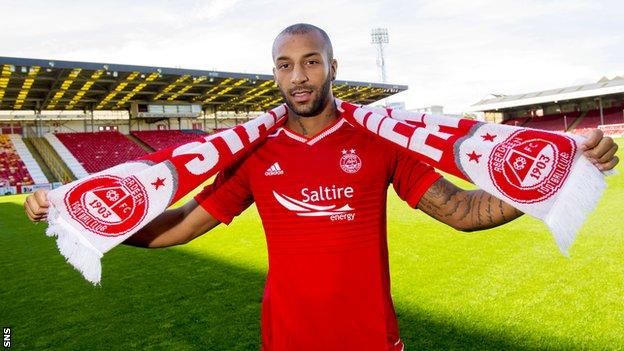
(77, 250)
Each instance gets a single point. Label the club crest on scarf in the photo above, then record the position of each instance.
(530, 165)
(108, 205)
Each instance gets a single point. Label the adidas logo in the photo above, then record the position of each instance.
(275, 169)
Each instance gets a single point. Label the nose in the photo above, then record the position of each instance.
(298, 75)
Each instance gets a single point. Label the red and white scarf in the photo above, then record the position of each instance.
(540, 173)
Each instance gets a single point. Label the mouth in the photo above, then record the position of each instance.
(301, 95)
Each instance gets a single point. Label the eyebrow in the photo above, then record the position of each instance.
(304, 56)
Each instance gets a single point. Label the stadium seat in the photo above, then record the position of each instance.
(161, 139)
(7, 128)
(520, 121)
(554, 122)
(612, 115)
(12, 168)
(100, 150)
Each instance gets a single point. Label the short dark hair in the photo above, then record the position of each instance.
(304, 28)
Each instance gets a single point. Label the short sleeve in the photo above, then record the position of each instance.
(228, 196)
(411, 177)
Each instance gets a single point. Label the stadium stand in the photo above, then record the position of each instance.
(612, 115)
(576, 122)
(53, 161)
(586, 99)
(10, 128)
(12, 168)
(556, 122)
(161, 139)
(517, 121)
(98, 151)
(29, 161)
(72, 162)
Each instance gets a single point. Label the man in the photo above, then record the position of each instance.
(320, 187)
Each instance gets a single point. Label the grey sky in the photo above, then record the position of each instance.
(450, 53)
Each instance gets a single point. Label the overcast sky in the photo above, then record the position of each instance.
(450, 53)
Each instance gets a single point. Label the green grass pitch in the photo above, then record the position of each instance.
(505, 288)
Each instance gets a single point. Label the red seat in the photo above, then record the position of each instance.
(100, 150)
(516, 121)
(611, 115)
(555, 122)
(162, 139)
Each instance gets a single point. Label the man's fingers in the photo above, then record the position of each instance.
(606, 157)
(609, 165)
(30, 213)
(34, 206)
(42, 198)
(31, 204)
(600, 149)
(593, 138)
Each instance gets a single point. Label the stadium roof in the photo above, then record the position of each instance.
(601, 88)
(38, 84)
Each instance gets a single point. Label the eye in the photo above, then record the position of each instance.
(283, 66)
(312, 62)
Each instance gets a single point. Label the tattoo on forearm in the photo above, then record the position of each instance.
(465, 209)
(489, 209)
(500, 208)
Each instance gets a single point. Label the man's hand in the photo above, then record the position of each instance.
(600, 150)
(36, 205)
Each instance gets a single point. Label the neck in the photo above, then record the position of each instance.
(310, 126)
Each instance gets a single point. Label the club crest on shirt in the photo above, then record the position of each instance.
(350, 162)
(108, 205)
(527, 167)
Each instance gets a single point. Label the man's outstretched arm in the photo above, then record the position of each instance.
(465, 210)
(174, 227)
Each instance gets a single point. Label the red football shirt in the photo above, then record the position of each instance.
(323, 207)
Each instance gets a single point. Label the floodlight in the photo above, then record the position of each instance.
(379, 37)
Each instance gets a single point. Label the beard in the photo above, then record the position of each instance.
(317, 105)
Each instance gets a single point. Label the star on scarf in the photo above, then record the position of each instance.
(488, 137)
(474, 157)
(158, 183)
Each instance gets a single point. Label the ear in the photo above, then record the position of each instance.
(275, 76)
(334, 68)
